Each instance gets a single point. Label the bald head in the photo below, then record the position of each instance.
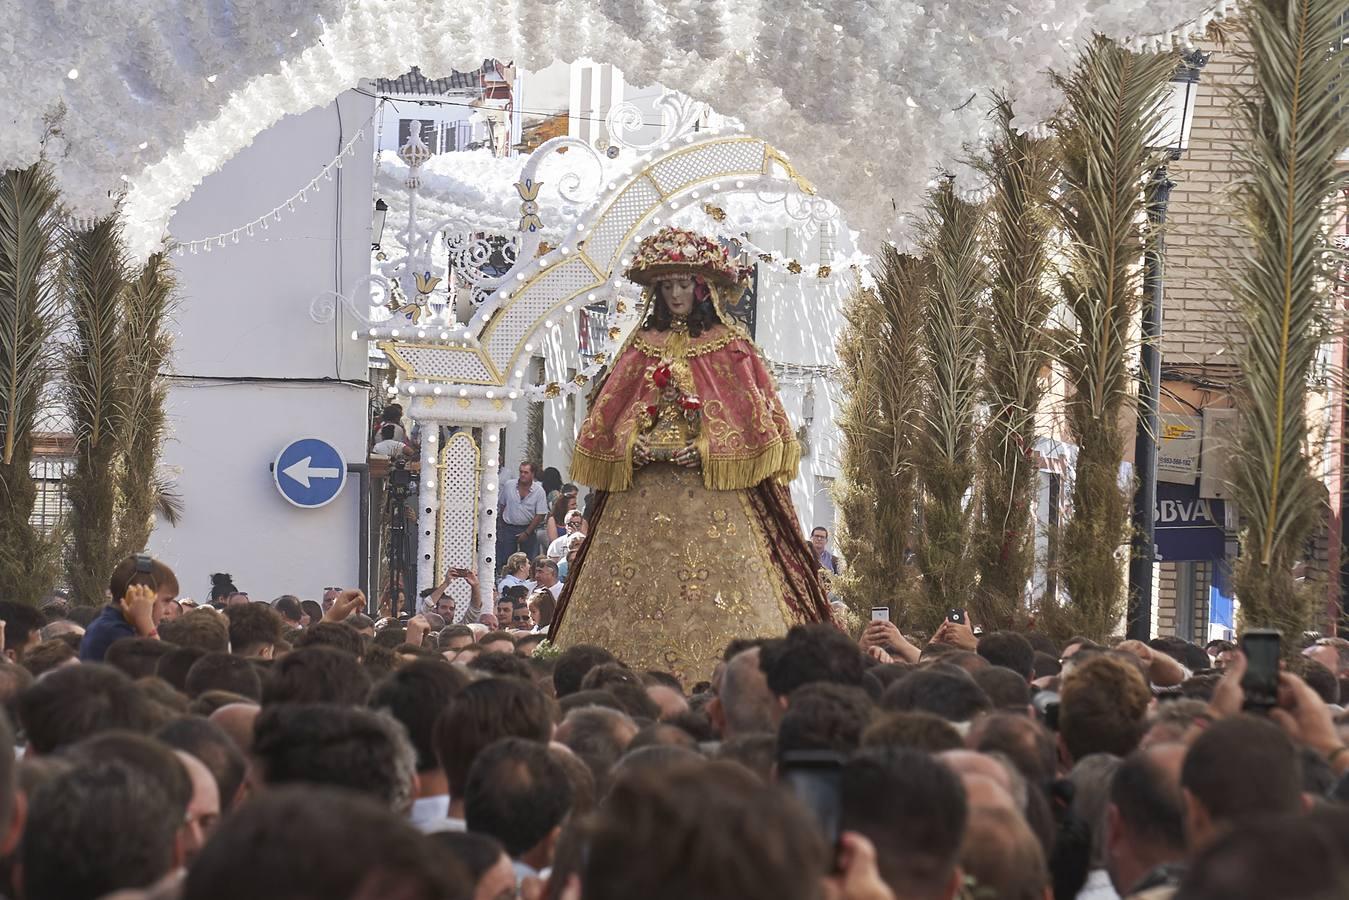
(236, 720)
(1003, 856)
(747, 704)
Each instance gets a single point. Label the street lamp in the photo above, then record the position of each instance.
(377, 226)
(1173, 139)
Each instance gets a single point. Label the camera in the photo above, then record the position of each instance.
(400, 479)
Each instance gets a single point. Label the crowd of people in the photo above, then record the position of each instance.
(298, 749)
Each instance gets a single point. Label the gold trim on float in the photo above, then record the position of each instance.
(439, 558)
(391, 348)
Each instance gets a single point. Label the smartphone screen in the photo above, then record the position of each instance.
(1261, 684)
(880, 614)
(816, 778)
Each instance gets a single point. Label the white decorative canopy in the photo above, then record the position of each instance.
(869, 98)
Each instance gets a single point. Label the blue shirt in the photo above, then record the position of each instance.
(110, 626)
(827, 561)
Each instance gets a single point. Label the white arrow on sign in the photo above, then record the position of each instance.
(302, 471)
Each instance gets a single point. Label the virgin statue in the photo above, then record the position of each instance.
(693, 538)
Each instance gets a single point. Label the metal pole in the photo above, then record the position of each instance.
(1144, 551)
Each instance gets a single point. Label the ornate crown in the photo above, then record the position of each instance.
(673, 251)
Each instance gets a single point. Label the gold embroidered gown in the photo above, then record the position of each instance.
(679, 561)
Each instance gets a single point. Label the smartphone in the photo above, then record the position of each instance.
(816, 778)
(1261, 683)
(956, 615)
(880, 614)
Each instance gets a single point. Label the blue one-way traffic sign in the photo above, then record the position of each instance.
(310, 473)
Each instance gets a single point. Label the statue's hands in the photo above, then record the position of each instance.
(641, 453)
(688, 457)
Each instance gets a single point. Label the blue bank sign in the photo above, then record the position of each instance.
(309, 473)
(1189, 527)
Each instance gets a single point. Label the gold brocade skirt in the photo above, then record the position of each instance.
(673, 572)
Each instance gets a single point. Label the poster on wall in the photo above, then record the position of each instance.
(1178, 448)
(1215, 469)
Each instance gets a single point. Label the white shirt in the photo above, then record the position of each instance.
(558, 548)
(390, 448)
(432, 814)
(1098, 887)
(512, 581)
(518, 512)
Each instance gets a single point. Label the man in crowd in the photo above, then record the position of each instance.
(819, 542)
(521, 508)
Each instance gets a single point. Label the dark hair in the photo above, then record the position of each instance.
(484, 712)
(915, 730)
(288, 605)
(825, 716)
(136, 657)
(951, 694)
(314, 609)
(129, 571)
(98, 827)
(1319, 679)
(1045, 665)
(1005, 689)
(1003, 856)
(317, 675)
(204, 629)
(599, 736)
(755, 751)
(75, 702)
(516, 792)
(702, 317)
(817, 652)
(584, 699)
(292, 840)
(477, 853)
(336, 746)
(145, 753)
(913, 809)
(173, 667)
(332, 634)
(386, 432)
(1025, 743)
(502, 665)
(1251, 753)
(819, 528)
(415, 696)
(559, 513)
(21, 620)
(222, 586)
(253, 626)
(699, 831)
(1289, 857)
(1010, 650)
(1150, 803)
(551, 479)
(223, 672)
(217, 751)
(1102, 706)
(392, 413)
(573, 665)
(48, 655)
(1182, 651)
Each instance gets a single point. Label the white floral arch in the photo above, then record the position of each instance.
(871, 97)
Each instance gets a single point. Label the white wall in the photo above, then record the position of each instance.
(245, 311)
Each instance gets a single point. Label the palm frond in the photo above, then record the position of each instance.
(95, 391)
(1015, 348)
(146, 304)
(169, 504)
(880, 365)
(1297, 129)
(1111, 117)
(950, 341)
(29, 313)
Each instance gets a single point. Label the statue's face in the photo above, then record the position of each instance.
(677, 292)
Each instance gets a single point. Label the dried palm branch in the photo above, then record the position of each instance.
(950, 340)
(29, 312)
(1111, 116)
(881, 365)
(95, 389)
(146, 304)
(1297, 127)
(1022, 171)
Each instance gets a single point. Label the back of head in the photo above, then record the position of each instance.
(518, 793)
(1285, 857)
(1146, 795)
(599, 736)
(810, 653)
(1091, 778)
(335, 746)
(21, 623)
(317, 675)
(913, 809)
(747, 703)
(1005, 688)
(1102, 707)
(573, 665)
(223, 672)
(216, 750)
(1021, 739)
(825, 716)
(173, 667)
(1243, 768)
(288, 605)
(296, 843)
(335, 635)
(1009, 650)
(481, 714)
(136, 657)
(698, 831)
(1002, 855)
(71, 852)
(204, 629)
(254, 627)
(915, 730)
(415, 695)
(75, 702)
(955, 697)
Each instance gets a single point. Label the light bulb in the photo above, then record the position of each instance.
(73, 74)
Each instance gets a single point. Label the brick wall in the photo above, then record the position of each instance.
(1204, 240)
